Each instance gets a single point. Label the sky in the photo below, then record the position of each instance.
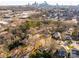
(52, 2)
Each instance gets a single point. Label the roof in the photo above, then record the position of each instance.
(3, 22)
(2, 33)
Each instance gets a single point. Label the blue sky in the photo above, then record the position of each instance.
(24, 2)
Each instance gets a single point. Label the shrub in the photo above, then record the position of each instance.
(39, 54)
(30, 24)
(14, 45)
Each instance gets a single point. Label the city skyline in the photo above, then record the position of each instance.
(52, 2)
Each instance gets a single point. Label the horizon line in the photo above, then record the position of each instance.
(39, 3)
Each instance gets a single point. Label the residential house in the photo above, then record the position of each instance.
(56, 35)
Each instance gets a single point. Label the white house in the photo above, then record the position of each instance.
(24, 15)
(74, 21)
(4, 23)
(57, 35)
